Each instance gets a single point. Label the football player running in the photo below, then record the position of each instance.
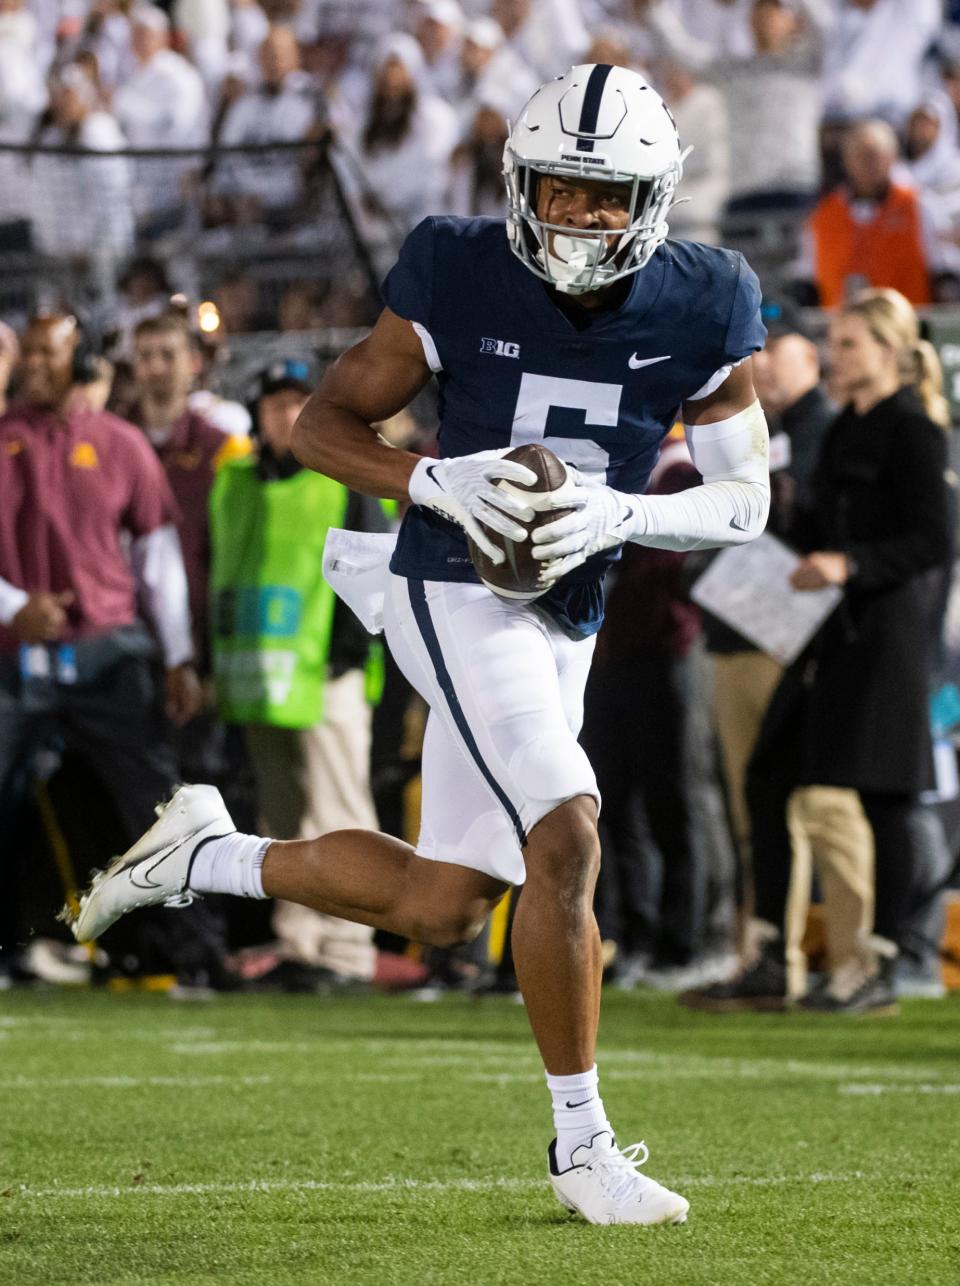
(579, 325)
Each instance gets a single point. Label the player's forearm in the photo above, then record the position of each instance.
(731, 506)
(337, 442)
(705, 517)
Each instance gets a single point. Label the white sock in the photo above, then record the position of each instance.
(231, 864)
(578, 1112)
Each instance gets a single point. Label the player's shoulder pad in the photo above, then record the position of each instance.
(722, 290)
(715, 271)
(437, 256)
(450, 234)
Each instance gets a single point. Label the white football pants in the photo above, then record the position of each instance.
(505, 690)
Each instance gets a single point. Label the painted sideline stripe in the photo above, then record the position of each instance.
(396, 1184)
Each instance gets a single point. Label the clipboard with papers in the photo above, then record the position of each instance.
(748, 588)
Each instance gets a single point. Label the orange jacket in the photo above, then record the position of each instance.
(887, 250)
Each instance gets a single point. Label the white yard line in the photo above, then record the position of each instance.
(122, 1081)
(614, 1064)
(127, 1082)
(869, 1091)
(394, 1184)
(401, 1057)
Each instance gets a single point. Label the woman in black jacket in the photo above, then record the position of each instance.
(852, 711)
(880, 520)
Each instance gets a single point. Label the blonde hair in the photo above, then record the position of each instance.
(891, 320)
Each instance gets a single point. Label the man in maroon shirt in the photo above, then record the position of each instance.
(87, 529)
(166, 364)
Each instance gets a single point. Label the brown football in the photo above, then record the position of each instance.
(516, 577)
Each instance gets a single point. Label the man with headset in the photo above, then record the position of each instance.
(75, 658)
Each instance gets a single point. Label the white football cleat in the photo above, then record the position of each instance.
(157, 868)
(605, 1185)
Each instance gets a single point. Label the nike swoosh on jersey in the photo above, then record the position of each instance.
(635, 362)
(736, 526)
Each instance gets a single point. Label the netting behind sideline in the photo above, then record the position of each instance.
(291, 220)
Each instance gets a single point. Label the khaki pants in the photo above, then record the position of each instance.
(311, 781)
(743, 683)
(829, 833)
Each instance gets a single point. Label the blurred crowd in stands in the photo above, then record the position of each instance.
(224, 132)
(179, 176)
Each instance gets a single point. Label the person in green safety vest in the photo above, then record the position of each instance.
(292, 663)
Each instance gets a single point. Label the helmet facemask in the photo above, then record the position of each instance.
(595, 123)
(577, 261)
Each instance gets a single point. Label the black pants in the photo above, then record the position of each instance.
(635, 735)
(112, 715)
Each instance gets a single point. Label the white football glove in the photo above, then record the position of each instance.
(464, 490)
(602, 519)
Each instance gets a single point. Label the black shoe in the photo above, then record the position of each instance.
(875, 995)
(496, 983)
(761, 987)
(298, 979)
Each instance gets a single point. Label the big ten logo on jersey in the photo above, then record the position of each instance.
(499, 347)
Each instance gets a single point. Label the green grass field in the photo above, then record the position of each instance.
(384, 1140)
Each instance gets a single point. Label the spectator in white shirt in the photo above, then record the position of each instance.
(773, 99)
(81, 204)
(549, 35)
(875, 49)
(437, 27)
(162, 105)
(23, 95)
(491, 73)
(106, 35)
(283, 108)
(700, 112)
(476, 168)
(931, 145)
(401, 141)
(933, 163)
(18, 26)
(248, 30)
(163, 102)
(205, 25)
(724, 25)
(951, 81)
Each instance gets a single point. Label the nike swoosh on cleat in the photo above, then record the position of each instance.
(736, 526)
(586, 1100)
(152, 884)
(635, 362)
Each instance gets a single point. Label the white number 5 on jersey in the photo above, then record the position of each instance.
(600, 404)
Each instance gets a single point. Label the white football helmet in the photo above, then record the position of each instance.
(593, 122)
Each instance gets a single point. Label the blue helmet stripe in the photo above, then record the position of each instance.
(590, 111)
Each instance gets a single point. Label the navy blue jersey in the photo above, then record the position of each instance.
(601, 391)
